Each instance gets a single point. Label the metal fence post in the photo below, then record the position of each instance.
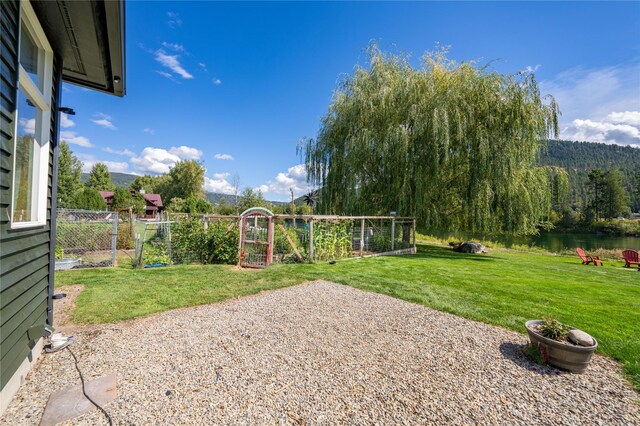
(414, 236)
(169, 244)
(393, 233)
(114, 238)
(362, 225)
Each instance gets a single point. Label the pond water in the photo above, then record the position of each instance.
(556, 242)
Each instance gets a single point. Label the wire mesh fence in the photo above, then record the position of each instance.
(320, 238)
(153, 243)
(186, 239)
(85, 238)
(207, 239)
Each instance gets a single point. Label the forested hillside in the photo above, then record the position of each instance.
(579, 158)
(118, 179)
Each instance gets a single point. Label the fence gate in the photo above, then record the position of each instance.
(256, 238)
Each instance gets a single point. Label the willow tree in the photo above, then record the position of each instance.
(452, 144)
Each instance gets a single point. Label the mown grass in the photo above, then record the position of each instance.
(504, 288)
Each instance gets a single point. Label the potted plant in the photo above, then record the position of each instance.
(560, 345)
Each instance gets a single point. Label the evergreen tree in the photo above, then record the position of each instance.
(88, 199)
(615, 197)
(596, 189)
(69, 174)
(100, 178)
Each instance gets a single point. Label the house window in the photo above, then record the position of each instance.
(33, 121)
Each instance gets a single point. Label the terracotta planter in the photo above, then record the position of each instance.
(562, 355)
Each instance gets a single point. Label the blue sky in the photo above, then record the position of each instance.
(237, 85)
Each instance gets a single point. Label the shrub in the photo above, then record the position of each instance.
(123, 240)
(553, 329)
(156, 251)
(191, 243)
(89, 199)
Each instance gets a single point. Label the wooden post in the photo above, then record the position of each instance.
(240, 241)
(270, 238)
(132, 229)
(293, 245)
(311, 239)
(362, 225)
(205, 223)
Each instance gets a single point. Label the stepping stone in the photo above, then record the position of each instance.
(70, 403)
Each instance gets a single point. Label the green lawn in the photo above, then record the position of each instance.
(504, 288)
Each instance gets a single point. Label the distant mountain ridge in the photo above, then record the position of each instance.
(118, 179)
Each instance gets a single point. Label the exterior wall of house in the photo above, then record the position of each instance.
(26, 255)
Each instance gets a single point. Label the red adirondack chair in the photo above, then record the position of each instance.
(588, 259)
(630, 257)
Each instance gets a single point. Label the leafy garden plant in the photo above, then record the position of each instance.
(332, 240)
(553, 329)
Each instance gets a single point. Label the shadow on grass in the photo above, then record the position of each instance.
(428, 251)
(515, 353)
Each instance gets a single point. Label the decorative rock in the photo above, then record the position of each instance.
(580, 338)
(470, 247)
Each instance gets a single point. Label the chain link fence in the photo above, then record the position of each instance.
(85, 239)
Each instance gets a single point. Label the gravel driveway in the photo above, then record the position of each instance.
(322, 353)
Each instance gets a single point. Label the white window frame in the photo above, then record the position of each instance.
(42, 100)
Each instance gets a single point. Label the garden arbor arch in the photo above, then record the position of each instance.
(256, 238)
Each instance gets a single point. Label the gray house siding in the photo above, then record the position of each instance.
(25, 255)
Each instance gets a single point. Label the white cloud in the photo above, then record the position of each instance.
(116, 166)
(598, 105)
(223, 157)
(217, 81)
(104, 120)
(124, 152)
(627, 117)
(186, 152)
(219, 184)
(173, 46)
(174, 20)
(295, 178)
(165, 74)
(154, 160)
(88, 161)
(172, 62)
(74, 139)
(159, 160)
(28, 125)
(532, 69)
(605, 131)
(149, 130)
(65, 121)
